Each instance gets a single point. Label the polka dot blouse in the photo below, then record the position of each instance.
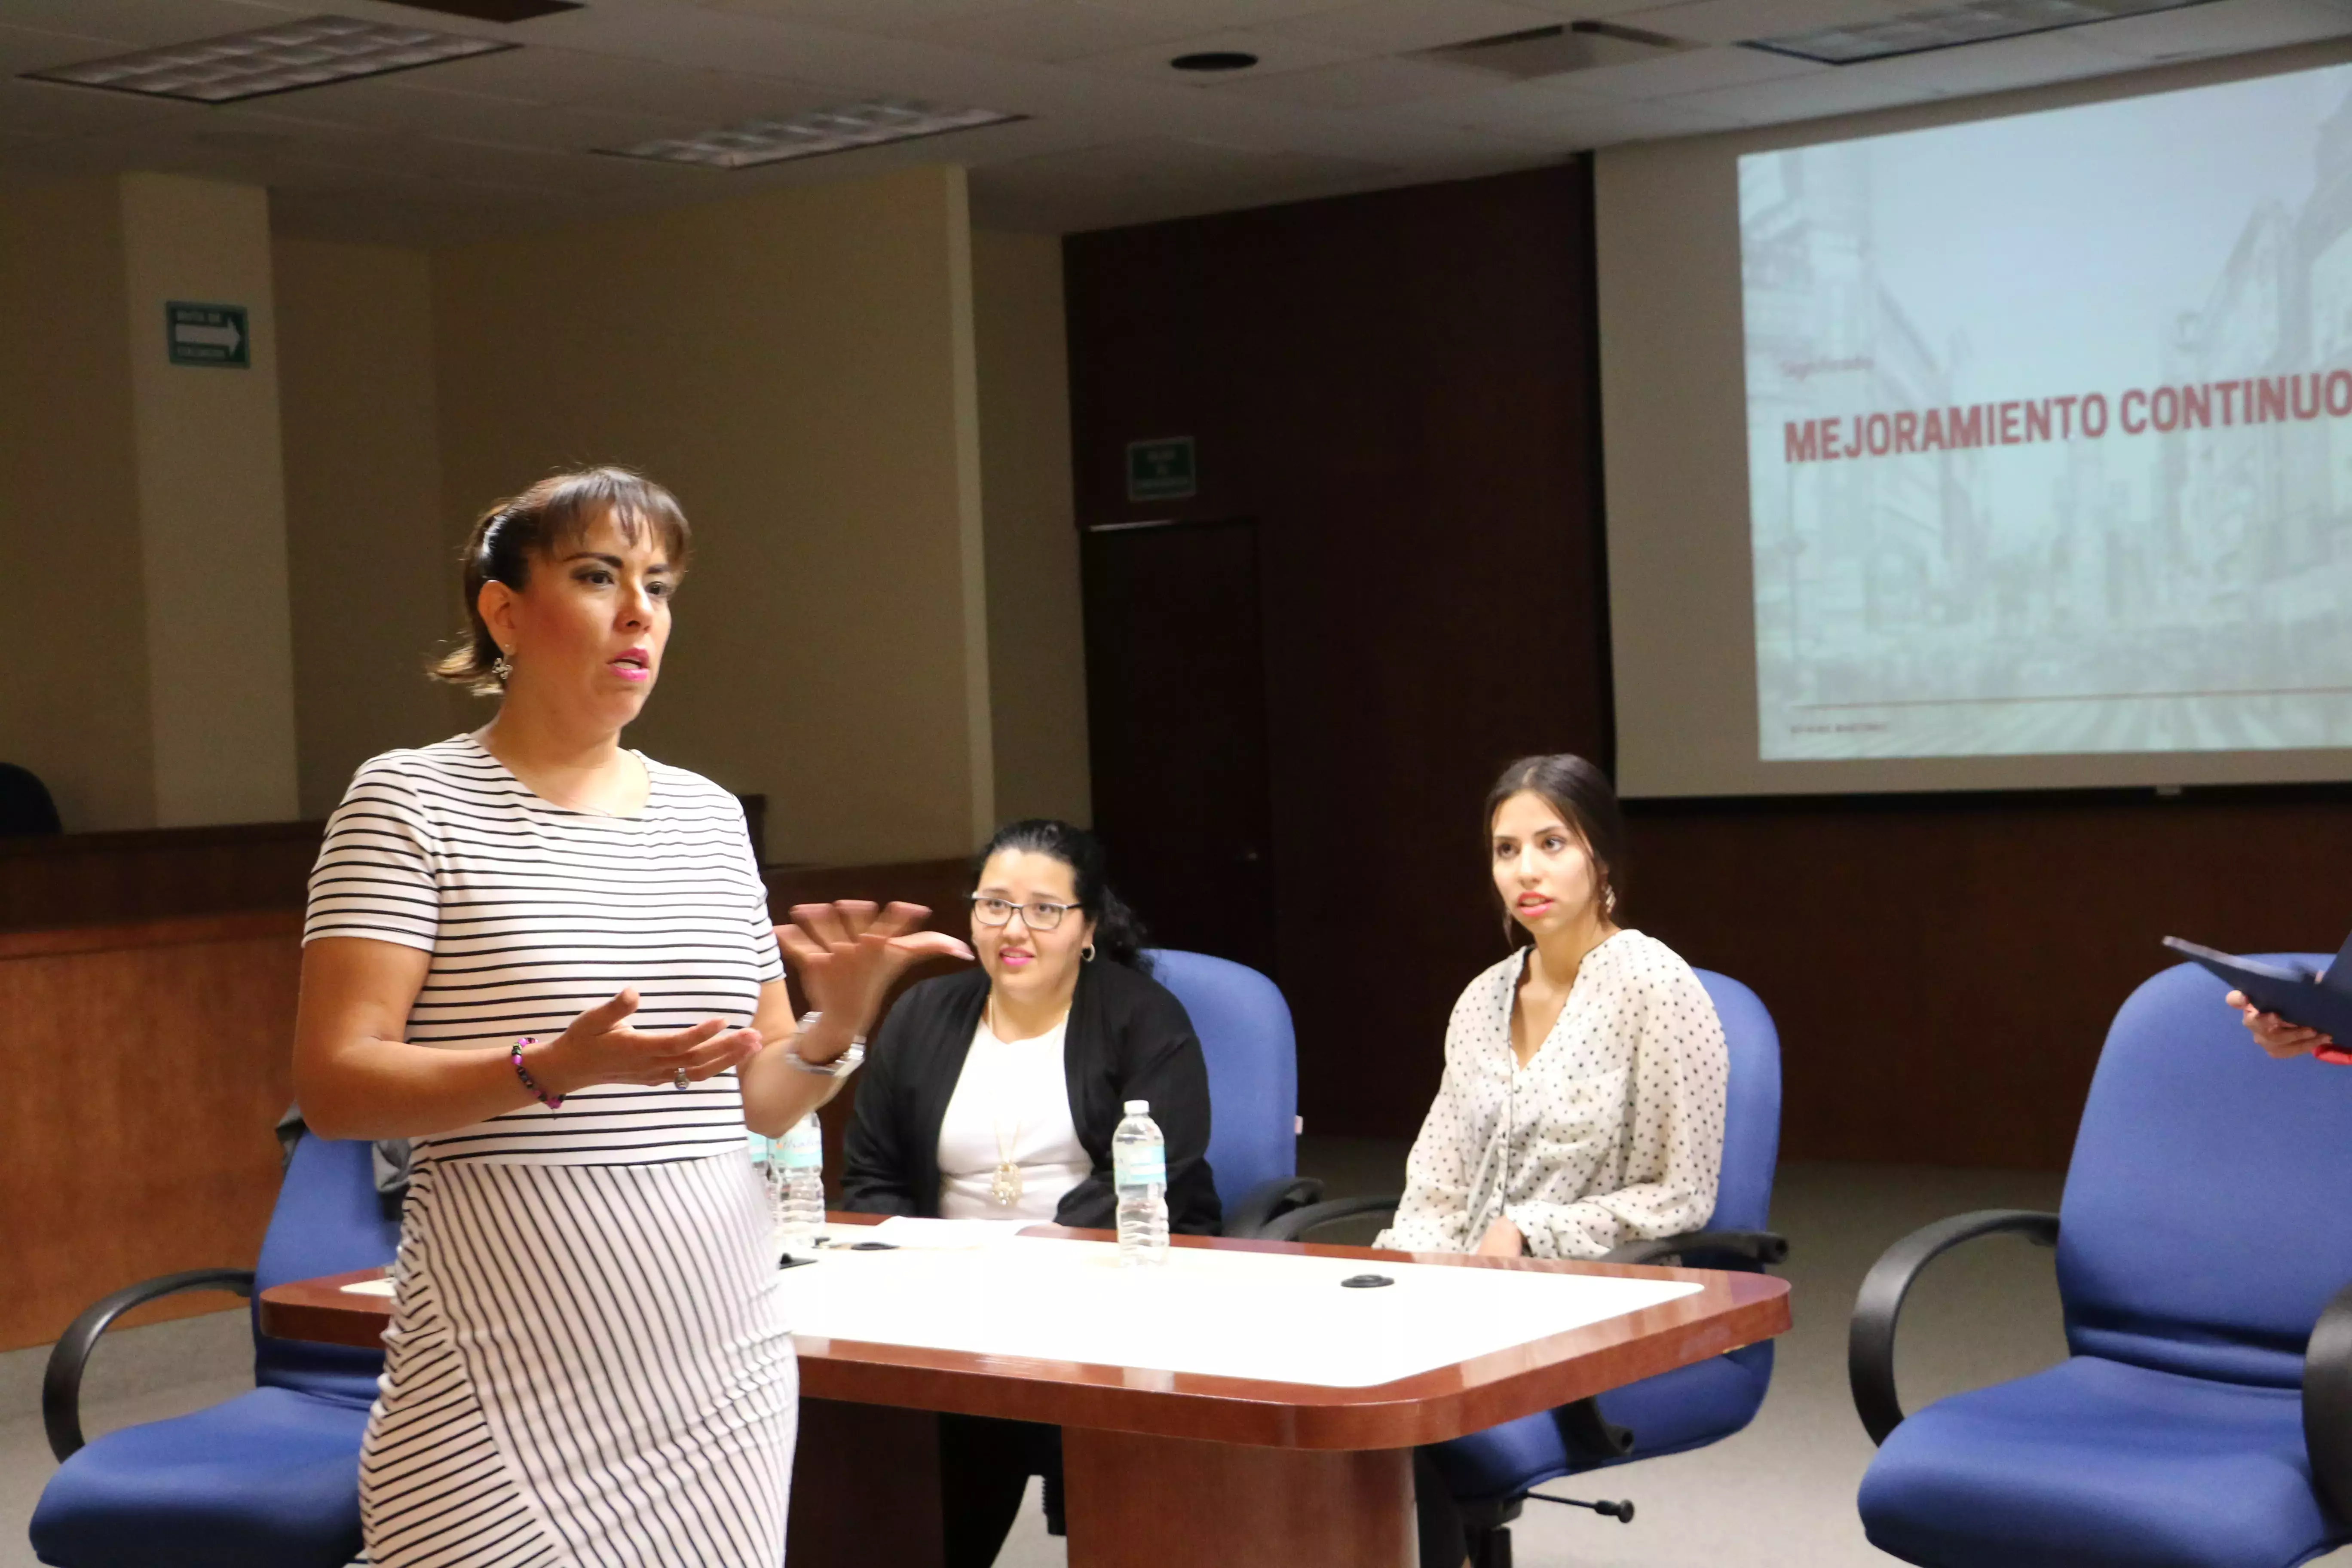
(1612, 1133)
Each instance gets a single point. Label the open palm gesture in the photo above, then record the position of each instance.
(848, 952)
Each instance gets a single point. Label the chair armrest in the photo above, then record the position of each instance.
(1755, 1246)
(1298, 1222)
(2328, 1404)
(61, 1383)
(1263, 1202)
(1870, 1339)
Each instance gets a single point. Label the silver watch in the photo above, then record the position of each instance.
(841, 1066)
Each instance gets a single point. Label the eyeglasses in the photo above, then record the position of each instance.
(1039, 916)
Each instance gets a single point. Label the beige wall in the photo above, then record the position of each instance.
(863, 405)
(1037, 678)
(212, 509)
(797, 367)
(76, 711)
(374, 583)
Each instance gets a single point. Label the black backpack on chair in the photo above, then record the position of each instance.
(26, 808)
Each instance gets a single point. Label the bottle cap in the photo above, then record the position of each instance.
(1138, 1108)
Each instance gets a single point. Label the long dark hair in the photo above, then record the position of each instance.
(1580, 792)
(1118, 935)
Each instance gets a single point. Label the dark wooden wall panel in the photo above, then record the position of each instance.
(146, 1065)
(89, 879)
(1943, 970)
(1400, 389)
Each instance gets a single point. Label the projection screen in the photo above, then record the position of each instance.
(2008, 452)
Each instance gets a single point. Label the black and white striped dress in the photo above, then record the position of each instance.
(587, 1365)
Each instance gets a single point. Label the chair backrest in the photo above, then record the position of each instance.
(1751, 1123)
(2204, 1224)
(1253, 1057)
(328, 1220)
(26, 808)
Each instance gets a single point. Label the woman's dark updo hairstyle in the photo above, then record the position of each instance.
(1118, 935)
(553, 514)
(1580, 792)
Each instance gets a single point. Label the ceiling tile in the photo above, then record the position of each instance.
(1395, 26)
(145, 23)
(52, 109)
(572, 77)
(1273, 52)
(1694, 71)
(1362, 84)
(885, 19)
(2002, 63)
(28, 49)
(1847, 89)
(1558, 117)
(1052, 30)
(1736, 21)
(1129, 181)
(2223, 26)
(1213, 16)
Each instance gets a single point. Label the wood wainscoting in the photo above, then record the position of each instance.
(146, 1064)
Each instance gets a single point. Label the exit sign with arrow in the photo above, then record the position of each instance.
(213, 335)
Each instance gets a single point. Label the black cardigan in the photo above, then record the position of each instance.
(1128, 1038)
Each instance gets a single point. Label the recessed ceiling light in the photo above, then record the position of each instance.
(1948, 26)
(1214, 60)
(282, 59)
(814, 133)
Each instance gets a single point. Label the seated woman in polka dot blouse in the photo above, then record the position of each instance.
(1582, 1101)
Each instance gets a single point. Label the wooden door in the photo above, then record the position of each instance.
(1176, 716)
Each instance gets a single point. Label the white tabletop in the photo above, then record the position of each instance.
(1276, 1317)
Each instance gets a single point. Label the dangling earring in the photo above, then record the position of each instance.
(502, 666)
(1088, 953)
(1608, 900)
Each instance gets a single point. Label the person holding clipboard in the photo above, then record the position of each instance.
(2280, 1038)
(2291, 1011)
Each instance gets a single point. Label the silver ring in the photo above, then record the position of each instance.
(679, 1078)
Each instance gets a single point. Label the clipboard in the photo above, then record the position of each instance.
(2320, 1001)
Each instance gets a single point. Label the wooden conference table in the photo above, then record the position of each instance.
(1244, 1405)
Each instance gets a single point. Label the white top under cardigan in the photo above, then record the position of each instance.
(1010, 1102)
(1612, 1132)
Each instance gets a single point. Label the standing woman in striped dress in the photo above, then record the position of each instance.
(548, 960)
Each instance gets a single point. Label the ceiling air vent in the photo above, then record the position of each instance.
(1553, 51)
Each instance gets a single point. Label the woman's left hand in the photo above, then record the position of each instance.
(1502, 1240)
(846, 953)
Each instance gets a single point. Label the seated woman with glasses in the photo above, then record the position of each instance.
(993, 1094)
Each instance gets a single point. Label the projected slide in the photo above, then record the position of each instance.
(2050, 430)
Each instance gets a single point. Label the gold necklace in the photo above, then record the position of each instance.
(1004, 1184)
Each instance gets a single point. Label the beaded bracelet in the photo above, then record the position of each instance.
(552, 1101)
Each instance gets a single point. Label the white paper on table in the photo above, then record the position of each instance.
(371, 1288)
(945, 1235)
(1279, 1317)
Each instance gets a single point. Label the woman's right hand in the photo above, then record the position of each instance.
(2274, 1034)
(597, 1048)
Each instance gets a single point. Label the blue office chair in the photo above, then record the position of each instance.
(1491, 1474)
(2203, 1416)
(269, 1479)
(1253, 1057)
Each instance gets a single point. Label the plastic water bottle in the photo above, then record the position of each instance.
(798, 1184)
(1139, 1163)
